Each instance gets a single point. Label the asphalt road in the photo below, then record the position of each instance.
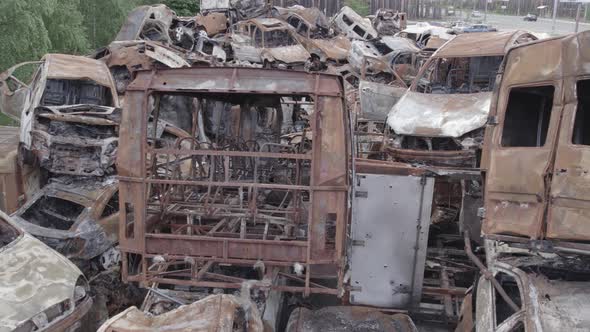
(542, 25)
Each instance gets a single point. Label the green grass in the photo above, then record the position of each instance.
(6, 121)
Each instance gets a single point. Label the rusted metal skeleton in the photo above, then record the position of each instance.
(237, 196)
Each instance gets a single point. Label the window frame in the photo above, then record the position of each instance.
(504, 102)
(575, 113)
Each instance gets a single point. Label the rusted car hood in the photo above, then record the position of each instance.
(289, 54)
(336, 48)
(213, 313)
(32, 279)
(439, 115)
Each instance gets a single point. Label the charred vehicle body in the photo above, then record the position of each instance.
(78, 218)
(314, 33)
(535, 214)
(385, 59)
(69, 116)
(548, 202)
(441, 118)
(41, 290)
(388, 22)
(354, 26)
(269, 42)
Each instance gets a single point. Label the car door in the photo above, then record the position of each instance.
(15, 88)
(243, 45)
(518, 158)
(569, 210)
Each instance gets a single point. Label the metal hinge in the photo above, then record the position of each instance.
(358, 243)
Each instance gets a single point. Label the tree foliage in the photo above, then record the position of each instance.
(32, 28)
(359, 6)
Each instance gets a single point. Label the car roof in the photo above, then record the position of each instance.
(476, 44)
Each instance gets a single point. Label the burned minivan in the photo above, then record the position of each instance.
(536, 211)
(441, 118)
(69, 115)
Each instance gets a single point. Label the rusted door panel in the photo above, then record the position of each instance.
(515, 187)
(569, 210)
(515, 203)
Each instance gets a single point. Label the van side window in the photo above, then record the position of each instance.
(582, 123)
(527, 116)
(359, 31)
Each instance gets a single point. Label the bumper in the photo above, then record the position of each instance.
(72, 322)
(465, 158)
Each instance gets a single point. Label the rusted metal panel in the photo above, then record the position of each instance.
(484, 43)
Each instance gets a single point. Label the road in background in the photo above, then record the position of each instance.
(542, 25)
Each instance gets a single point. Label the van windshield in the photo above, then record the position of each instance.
(459, 75)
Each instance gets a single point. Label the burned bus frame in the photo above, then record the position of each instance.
(328, 187)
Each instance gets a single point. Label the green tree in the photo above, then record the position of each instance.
(181, 7)
(23, 36)
(103, 19)
(32, 28)
(359, 6)
(66, 28)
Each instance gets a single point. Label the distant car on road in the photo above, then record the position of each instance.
(476, 13)
(530, 18)
(479, 28)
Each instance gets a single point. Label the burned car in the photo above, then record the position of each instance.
(314, 33)
(78, 218)
(388, 22)
(353, 26)
(441, 118)
(69, 116)
(385, 55)
(530, 293)
(270, 42)
(188, 35)
(421, 32)
(124, 58)
(221, 313)
(41, 290)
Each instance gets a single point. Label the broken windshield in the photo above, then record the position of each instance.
(278, 38)
(53, 212)
(60, 92)
(459, 75)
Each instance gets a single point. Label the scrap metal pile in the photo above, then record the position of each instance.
(233, 170)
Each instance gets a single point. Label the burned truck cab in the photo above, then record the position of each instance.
(259, 189)
(536, 215)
